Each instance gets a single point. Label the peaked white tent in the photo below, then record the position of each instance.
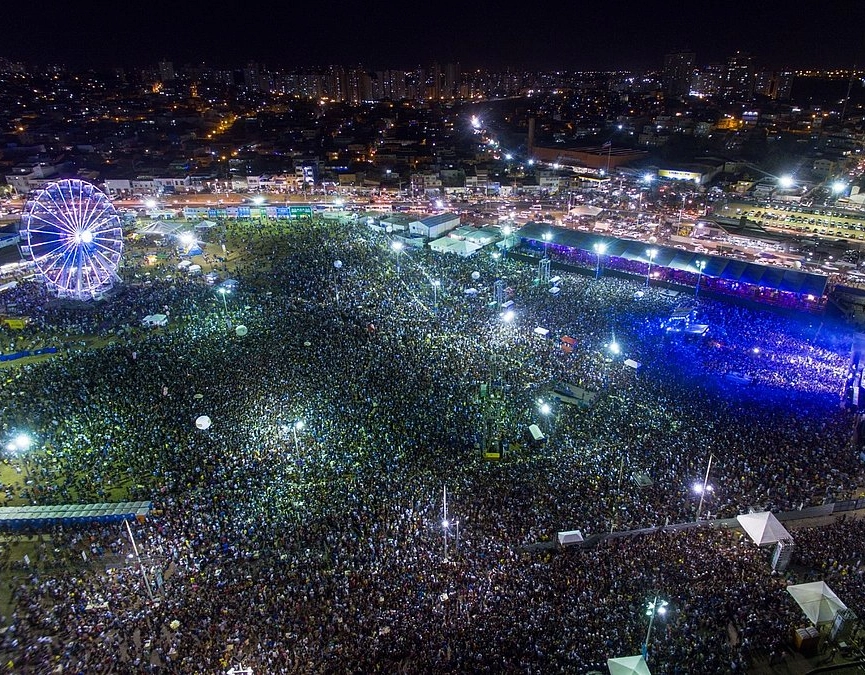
(160, 228)
(628, 665)
(817, 600)
(584, 210)
(205, 225)
(763, 528)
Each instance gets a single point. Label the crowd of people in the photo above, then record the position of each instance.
(306, 529)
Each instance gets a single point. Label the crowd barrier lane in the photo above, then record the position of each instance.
(34, 352)
(824, 511)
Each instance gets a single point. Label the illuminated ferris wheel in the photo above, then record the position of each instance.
(72, 233)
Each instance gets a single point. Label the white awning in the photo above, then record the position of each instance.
(763, 528)
(817, 600)
(628, 665)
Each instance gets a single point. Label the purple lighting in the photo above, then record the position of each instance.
(72, 233)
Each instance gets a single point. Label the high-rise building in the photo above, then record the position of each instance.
(739, 83)
(166, 71)
(452, 80)
(251, 76)
(434, 86)
(710, 80)
(678, 71)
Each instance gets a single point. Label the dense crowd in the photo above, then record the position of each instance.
(321, 547)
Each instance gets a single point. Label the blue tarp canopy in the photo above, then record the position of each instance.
(729, 269)
(19, 517)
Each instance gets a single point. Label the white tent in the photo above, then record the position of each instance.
(628, 665)
(160, 228)
(763, 528)
(583, 210)
(817, 600)
(154, 320)
(569, 537)
(205, 225)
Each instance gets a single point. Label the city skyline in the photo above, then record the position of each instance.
(629, 35)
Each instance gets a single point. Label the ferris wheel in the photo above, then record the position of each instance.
(72, 233)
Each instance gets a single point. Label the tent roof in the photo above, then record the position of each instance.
(160, 228)
(763, 528)
(817, 600)
(628, 665)
(585, 210)
(717, 266)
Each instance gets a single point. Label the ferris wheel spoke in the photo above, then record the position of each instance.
(97, 221)
(54, 248)
(54, 260)
(52, 224)
(107, 266)
(91, 211)
(93, 262)
(104, 247)
(64, 212)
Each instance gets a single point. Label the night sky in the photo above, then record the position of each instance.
(569, 34)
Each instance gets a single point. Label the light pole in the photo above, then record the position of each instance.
(838, 188)
(705, 487)
(655, 607)
(223, 292)
(682, 210)
(397, 246)
(701, 264)
(651, 253)
(600, 248)
(435, 284)
(445, 522)
(496, 256)
(19, 446)
(297, 426)
(546, 237)
(507, 230)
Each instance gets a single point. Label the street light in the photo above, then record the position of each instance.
(705, 487)
(21, 443)
(435, 284)
(544, 407)
(496, 256)
(297, 426)
(653, 608)
(397, 246)
(701, 265)
(651, 253)
(786, 181)
(507, 230)
(600, 248)
(223, 291)
(546, 236)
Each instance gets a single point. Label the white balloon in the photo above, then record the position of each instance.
(476, 275)
(240, 331)
(203, 422)
(337, 264)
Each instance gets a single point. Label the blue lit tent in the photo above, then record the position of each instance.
(720, 267)
(16, 518)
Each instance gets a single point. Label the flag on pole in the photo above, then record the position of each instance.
(608, 144)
